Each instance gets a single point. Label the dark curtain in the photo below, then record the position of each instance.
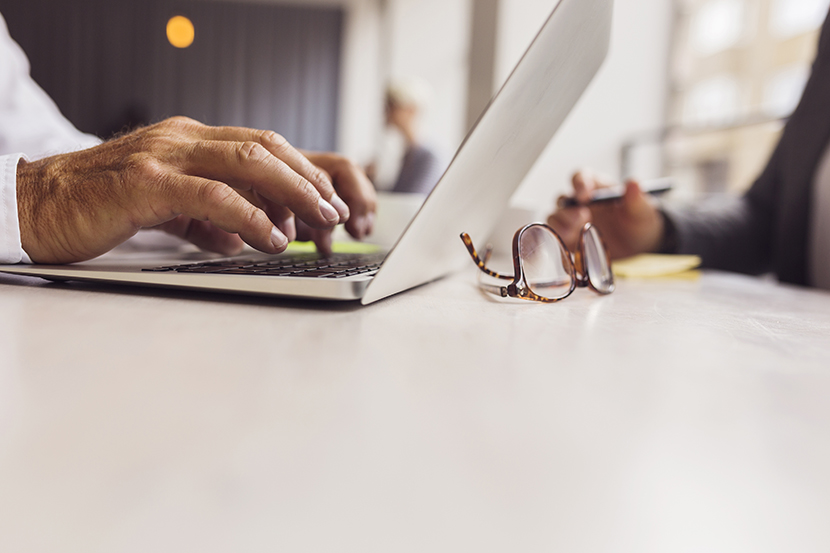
(108, 64)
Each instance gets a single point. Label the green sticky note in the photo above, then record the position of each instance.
(337, 247)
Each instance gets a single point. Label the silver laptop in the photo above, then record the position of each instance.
(489, 165)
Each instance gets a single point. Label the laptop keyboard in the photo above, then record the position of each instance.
(310, 265)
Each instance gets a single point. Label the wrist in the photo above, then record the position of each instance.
(30, 180)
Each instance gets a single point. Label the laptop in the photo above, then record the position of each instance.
(490, 164)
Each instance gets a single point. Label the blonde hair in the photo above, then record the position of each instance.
(409, 92)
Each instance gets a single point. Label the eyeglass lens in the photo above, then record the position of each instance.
(597, 266)
(545, 262)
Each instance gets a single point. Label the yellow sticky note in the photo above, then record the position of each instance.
(654, 265)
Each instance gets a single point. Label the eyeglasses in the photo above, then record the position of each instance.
(544, 269)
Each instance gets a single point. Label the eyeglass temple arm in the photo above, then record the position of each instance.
(493, 289)
(468, 242)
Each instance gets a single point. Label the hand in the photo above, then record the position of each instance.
(371, 171)
(207, 184)
(629, 226)
(354, 187)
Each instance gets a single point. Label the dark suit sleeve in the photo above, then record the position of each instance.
(733, 235)
(740, 234)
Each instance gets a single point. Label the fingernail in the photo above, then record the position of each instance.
(370, 222)
(278, 239)
(324, 243)
(288, 228)
(341, 207)
(328, 212)
(360, 226)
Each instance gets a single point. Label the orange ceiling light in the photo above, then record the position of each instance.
(180, 31)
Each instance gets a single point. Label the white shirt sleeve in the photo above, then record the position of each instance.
(30, 123)
(11, 250)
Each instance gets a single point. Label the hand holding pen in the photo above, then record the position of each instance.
(655, 187)
(626, 214)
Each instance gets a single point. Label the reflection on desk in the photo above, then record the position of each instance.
(669, 416)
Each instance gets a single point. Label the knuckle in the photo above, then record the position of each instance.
(178, 126)
(273, 139)
(251, 215)
(251, 152)
(248, 215)
(308, 194)
(214, 194)
(345, 162)
(145, 167)
(342, 164)
(181, 121)
(321, 176)
(157, 144)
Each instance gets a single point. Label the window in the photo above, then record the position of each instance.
(782, 90)
(738, 68)
(793, 17)
(714, 101)
(718, 25)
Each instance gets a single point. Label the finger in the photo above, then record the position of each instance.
(369, 226)
(249, 166)
(323, 240)
(632, 187)
(364, 199)
(354, 187)
(360, 195)
(283, 219)
(280, 148)
(584, 186)
(568, 223)
(216, 202)
(281, 216)
(304, 232)
(563, 210)
(204, 235)
(634, 200)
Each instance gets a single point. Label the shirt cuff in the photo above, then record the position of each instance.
(11, 250)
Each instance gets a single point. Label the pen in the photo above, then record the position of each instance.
(653, 186)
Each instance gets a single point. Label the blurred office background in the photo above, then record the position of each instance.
(697, 89)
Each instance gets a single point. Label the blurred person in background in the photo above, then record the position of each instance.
(780, 225)
(213, 186)
(420, 168)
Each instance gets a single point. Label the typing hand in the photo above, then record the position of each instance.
(629, 226)
(352, 185)
(355, 188)
(215, 186)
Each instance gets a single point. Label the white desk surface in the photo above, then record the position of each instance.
(670, 416)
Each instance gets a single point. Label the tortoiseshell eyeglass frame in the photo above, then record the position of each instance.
(519, 288)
